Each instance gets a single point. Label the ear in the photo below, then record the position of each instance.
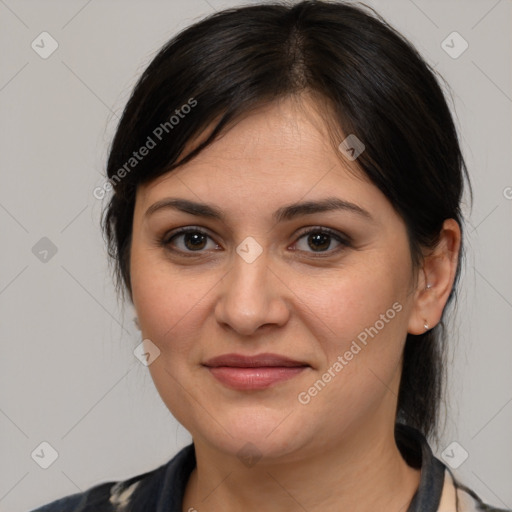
(435, 279)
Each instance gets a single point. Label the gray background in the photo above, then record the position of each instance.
(67, 372)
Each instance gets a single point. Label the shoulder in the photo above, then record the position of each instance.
(97, 496)
(141, 492)
(439, 490)
(105, 497)
(457, 497)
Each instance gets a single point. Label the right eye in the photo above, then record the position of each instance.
(189, 240)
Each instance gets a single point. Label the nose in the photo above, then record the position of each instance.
(252, 297)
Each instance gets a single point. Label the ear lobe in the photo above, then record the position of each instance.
(439, 270)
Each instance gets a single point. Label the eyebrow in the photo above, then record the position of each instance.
(288, 212)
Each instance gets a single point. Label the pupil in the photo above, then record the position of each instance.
(320, 241)
(194, 240)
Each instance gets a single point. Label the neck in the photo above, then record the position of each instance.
(357, 475)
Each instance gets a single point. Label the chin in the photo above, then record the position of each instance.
(256, 434)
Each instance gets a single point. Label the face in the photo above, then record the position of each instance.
(328, 286)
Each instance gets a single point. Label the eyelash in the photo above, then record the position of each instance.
(343, 240)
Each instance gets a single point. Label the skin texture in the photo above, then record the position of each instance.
(337, 452)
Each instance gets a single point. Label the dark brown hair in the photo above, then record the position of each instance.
(375, 85)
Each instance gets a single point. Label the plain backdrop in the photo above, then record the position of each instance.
(68, 376)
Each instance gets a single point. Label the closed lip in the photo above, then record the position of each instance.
(256, 361)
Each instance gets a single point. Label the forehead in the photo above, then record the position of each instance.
(281, 153)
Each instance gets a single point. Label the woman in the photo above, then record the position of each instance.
(286, 220)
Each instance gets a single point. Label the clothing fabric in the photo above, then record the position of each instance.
(162, 489)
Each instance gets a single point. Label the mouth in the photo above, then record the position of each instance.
(241, 372)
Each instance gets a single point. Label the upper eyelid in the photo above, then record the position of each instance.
(323, 229)
(166, 238)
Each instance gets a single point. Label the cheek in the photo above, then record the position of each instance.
(346, 307)
(360, 322)
(161, 296)
(360, 325)
(166, 305)
(170, 307)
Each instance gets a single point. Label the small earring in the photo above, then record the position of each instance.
(427, 327)
(428, 286)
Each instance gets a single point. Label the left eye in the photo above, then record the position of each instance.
(319, 240)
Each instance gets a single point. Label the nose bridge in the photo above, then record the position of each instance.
(249, 280)
(250, 296)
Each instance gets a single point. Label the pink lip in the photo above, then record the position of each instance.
(253, 372)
